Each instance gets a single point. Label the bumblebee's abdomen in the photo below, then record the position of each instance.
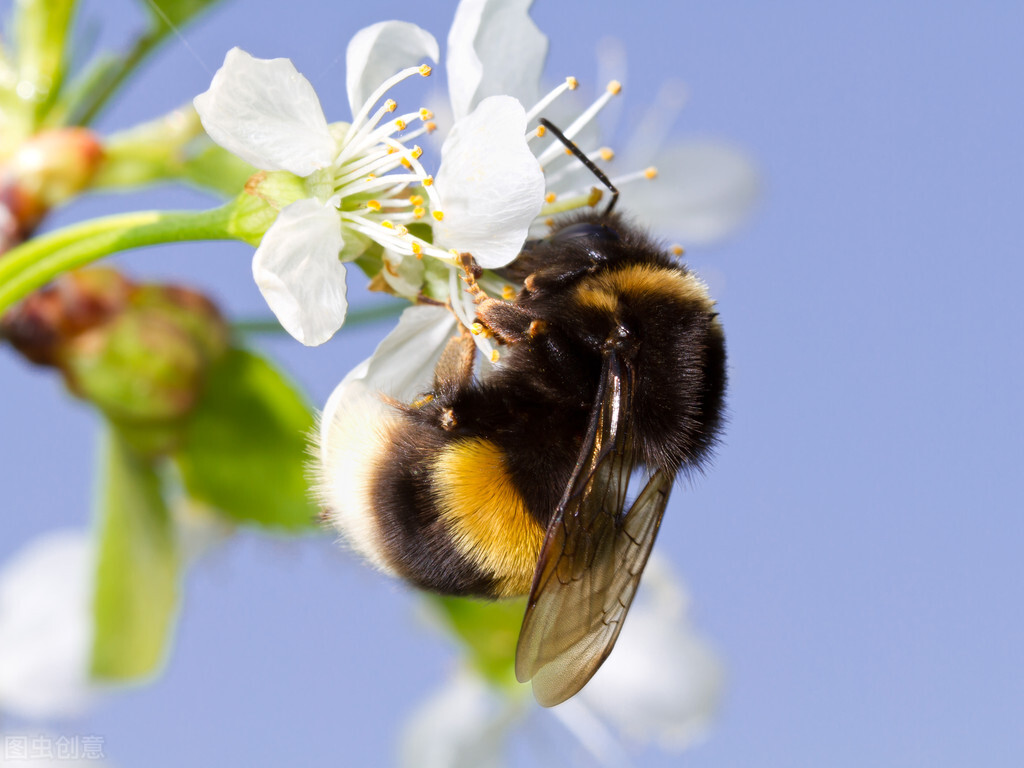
(484, 514)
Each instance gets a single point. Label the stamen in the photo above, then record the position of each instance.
(426, 114)
(613, 89)
(508, 292)
(606, 154)
(416, 199)
(495, 356)
(425, 70)
(373, 205)
(359, 118)
(569, 85)
(438, 215)
(677, 250)
(550, 197)
(419, 212)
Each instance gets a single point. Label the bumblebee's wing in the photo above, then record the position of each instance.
(593, 553)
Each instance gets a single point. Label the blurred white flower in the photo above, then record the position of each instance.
(663, 682)
(661, 685)
(46, 627)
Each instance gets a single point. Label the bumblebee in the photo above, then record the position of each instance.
(516, 483)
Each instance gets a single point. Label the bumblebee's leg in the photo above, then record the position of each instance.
(455, 368)
(509, 323)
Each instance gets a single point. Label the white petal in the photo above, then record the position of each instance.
(704, 190)
(377, 52)
(268, 114)
(298, 272)
(401, 367)
(662, 682)
(494, 48)
(403, 364)
(464, 725)
(490, 184)
(46, 627)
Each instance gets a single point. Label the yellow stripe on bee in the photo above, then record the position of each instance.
(485, 515)
(642, 281)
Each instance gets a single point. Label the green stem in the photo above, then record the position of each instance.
(353, 318)
(97, 99)
(34, 263)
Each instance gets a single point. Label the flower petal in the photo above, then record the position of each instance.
(268, 114)
(402, 366)
(299, 274)
(46, 627)
(377, 52)
(663, 682)
(490, 184)
(494, 48)
(464, 725)
(704, 190)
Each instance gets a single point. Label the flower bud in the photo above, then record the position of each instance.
(44, 171)
(140, 353)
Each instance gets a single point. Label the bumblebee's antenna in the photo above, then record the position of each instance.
(585, 160)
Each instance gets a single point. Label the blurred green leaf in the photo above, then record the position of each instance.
(137, 581)
(244, 450)
(40, 32)
(489, 632)
(175, 12)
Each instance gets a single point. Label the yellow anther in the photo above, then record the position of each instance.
(614, 87)
(476, 328)
(401, 231)
(418, 212)
(371, 176)
(426, 114)
(541, 130)
(508, 292)
(550, 197)
(392, 150)
(400, 124)
(405, 162)
(390, 105)
(677, 250)
(455, 252)
(494, 356)
(650, 173)
(572, 82)
(549, 222)
(417, 151)
(567, 151)
(387, 224)
(595, 196)
(606, 153)
(373, 205)
(428, 181)
(439, 215)
(425, 70)
(416, 199)
(417, 250)
(431, 127)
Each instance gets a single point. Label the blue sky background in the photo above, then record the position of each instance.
(854, 555)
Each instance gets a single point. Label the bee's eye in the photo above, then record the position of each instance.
(585, 229)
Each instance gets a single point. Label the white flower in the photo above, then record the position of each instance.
(661, 684)
(46, 627)
(358, 177)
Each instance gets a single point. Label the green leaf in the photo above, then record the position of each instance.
(175, 12)
(137, 581)
(244, 450)
(489, 632)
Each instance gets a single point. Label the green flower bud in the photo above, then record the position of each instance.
(139, 353)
